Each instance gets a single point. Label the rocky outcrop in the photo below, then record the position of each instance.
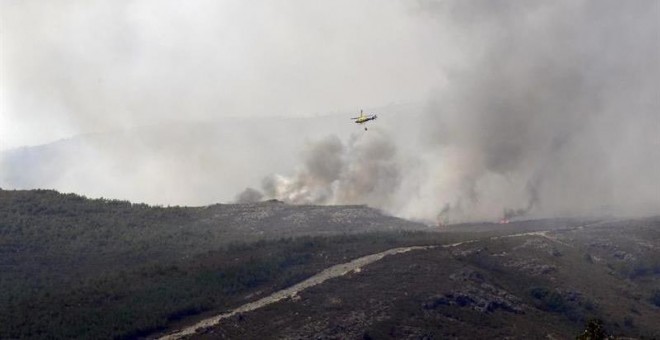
(477, 294)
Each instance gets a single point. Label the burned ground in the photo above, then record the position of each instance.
(530, 286)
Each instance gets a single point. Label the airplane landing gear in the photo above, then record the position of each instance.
(365, 128)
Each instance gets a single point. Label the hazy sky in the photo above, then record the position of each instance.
(77, 66)
(550, 107)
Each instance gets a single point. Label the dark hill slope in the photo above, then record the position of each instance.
(539, 286)
(47, 229)
(71, 267)
(77, 267)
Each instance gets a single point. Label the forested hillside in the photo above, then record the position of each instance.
(77, 267)
(73, 267)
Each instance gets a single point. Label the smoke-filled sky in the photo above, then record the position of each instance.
(527, 107)
(77, 66)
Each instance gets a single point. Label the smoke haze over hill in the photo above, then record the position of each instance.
(526, 107)
(557, 108)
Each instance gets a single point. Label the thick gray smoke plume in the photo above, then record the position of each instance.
(553, 110)
(521, 107)
(249, 195)
(363, 171)
(557, 109)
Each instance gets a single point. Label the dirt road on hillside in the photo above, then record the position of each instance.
(329, 273)
(337, 271)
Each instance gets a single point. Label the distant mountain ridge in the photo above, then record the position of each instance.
(188, 163)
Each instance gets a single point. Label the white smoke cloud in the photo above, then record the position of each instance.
(365, 170)
(79, 66)
(554, 111)
(542, 108)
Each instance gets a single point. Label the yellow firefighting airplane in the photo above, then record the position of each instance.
(362, 119)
